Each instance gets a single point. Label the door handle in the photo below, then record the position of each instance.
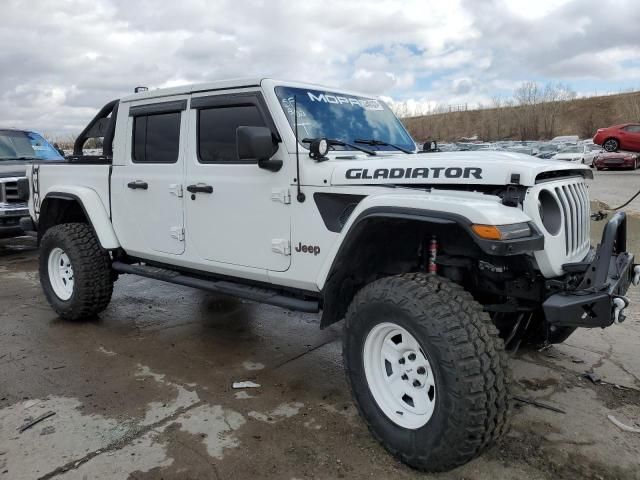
(199, 188)
(138, 184)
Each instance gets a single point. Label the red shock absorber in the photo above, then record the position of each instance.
(433, 255)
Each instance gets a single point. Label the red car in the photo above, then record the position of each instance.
(617, 160)
(619, 137)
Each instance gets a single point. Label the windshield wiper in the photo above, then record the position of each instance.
(340, 143)
(375, 143)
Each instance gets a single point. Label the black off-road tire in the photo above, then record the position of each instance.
(93, 277)
(468, 362)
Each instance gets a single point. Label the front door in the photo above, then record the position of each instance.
(236, 212)
(632, 137)
(147, 195)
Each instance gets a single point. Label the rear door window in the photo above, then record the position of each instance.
(156, 138)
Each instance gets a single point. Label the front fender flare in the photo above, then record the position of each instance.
(93, 208)
(490, 247)
(332, 282)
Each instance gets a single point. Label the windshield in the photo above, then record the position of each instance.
(19, 145)
(343, 117)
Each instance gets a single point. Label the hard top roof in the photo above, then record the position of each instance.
(226, 85)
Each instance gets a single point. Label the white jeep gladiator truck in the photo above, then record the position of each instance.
(318, 200)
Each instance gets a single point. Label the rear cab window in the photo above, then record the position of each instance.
(156, 132)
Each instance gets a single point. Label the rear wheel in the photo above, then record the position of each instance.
(427, 370)
(611, 144)
(75, 272)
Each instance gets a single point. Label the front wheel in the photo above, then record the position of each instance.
(427, 370)
(75, 272)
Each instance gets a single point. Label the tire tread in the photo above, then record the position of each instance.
(91, 268)
(474, 350)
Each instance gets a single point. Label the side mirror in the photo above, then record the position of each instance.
(257, 143)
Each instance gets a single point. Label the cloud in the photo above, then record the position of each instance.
(61, 61)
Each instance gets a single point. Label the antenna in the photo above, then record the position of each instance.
(301, 197)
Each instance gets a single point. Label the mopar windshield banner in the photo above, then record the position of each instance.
(366, 103)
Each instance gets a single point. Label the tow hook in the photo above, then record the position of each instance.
(636, 275)
(619, 304)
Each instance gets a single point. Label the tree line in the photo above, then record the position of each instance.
(533, 112)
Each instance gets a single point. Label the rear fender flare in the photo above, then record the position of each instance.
(93, 208)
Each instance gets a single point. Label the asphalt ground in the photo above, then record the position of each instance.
(145, 391)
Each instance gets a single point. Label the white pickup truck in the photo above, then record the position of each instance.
(318, 200)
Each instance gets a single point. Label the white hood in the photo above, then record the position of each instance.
(469, 168)
(13, 168)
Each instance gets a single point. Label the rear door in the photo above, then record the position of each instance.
(147, 195)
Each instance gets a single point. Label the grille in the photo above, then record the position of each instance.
(574, 202)
(9, 191)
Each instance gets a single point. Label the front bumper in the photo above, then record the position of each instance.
(10, 216)
(599, 299)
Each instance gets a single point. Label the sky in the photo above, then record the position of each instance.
(62, 60)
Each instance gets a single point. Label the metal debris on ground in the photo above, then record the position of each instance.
(35, 421)
(246, 384)
(535, 403)
(622, 426)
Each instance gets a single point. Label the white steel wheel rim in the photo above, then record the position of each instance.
(60, 273)
(399, 375)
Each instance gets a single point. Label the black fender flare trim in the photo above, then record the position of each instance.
(71, 197)
(491, 247)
